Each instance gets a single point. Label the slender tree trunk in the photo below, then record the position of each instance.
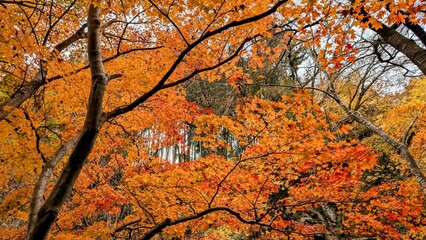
(400, 147)
(40, 187)
(95, 118)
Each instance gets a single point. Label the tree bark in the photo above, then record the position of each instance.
(40, 187)
(418, 31)
(404, 45)
(95, 118)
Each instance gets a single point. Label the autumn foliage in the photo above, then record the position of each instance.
(211, 120)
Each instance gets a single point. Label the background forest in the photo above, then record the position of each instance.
(219, 119)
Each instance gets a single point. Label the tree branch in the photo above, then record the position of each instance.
(30, 88)
(170, 20)
(208, 34)
(51, 26)
(405, 137)
(80, 34)
(169, 222)
(401, 43)
(197, 71)
(40, 186)
(400, 147)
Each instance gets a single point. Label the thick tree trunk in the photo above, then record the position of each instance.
(94, 120)
(49, 211)
(404, 45)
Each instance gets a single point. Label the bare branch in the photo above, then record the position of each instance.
(51, 26)
(27, 4)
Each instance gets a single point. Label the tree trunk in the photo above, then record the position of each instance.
(40, 187)
(400, 147)
(95, 118)
(404, 45)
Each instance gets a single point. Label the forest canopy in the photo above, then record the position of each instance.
(219, 119)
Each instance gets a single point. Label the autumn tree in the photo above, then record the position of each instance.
(33, 48)
(399, 15)
(391, 28)
(79, 155)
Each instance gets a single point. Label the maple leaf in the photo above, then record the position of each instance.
(101, 132)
